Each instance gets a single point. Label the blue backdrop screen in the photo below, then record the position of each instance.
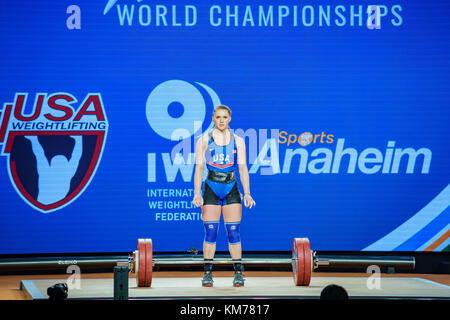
(344, 108)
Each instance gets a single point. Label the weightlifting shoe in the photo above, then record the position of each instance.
(239, 279)
(207, 280)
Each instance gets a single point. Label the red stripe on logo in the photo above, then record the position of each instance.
(5, 122)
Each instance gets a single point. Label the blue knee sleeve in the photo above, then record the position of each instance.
(233, 232)
(211, 230)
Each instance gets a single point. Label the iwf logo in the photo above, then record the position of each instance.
(177, 108)
(54, 150)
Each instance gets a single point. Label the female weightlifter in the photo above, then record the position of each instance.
(219, 150)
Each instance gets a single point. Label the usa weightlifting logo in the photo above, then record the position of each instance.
(54, 150)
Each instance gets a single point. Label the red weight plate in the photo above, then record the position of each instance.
(294, 262)
(148, 262)
(307, 261)
(301, 263)
(140, 276)
(298, 261)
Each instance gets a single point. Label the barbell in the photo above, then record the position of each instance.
(303, 262)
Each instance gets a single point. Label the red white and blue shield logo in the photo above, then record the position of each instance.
(51, 168)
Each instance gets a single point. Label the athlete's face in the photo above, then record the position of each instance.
(221, 119)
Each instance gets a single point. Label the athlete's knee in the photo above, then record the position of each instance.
(211, 230)
(234, 235)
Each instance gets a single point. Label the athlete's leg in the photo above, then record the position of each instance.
(211, 218)
(232, 215)
(210, 213)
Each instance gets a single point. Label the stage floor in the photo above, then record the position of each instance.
(264, 287)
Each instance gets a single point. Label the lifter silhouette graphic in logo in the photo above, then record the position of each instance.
(54, 177)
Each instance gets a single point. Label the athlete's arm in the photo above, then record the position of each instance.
(200, 148)
(243, 171)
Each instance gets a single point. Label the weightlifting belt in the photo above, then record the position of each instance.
(222, 177)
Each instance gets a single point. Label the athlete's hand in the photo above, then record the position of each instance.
(248, 201)
(198, 200)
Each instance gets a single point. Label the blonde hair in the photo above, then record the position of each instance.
(222, 107)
